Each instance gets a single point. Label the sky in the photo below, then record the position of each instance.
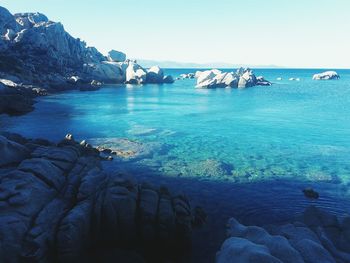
(289, 33)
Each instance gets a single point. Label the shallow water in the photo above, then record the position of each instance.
(232, 151)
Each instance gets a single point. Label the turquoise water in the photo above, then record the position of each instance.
(299, 130)
(232, 151)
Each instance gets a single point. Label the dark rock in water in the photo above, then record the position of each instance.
(168, 79)
(58, 205)
(155, 75)
(261, 81)
(310, 193)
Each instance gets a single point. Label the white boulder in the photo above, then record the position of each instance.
(116, 56)
(135, 74)
(328, 75)
(242, 78)
(247, 79)
(206, 79)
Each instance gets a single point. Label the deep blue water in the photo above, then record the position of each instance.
(244, 153)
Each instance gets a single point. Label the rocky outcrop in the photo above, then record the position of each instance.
(16, 99)
(315, 236)
(58, 205)
(242, 78)
(40, 52)
(135, 74)
(156, 75)
(328, 75)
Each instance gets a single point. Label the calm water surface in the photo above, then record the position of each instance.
(244, 153)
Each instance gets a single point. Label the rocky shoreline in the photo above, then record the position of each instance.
(58, 205)
(314, 236)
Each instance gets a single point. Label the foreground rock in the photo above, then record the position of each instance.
(58, 205)
(242, 78)
(328, 75)
(315, 236)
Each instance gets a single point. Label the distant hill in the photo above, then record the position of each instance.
(175, 64)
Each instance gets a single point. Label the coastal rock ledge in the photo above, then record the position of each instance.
(58, 205)
(315, 236)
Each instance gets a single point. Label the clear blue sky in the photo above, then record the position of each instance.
(293, 33)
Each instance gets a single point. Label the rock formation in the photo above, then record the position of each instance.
(242, 78)
(58, 205)
(315, 236)
(328, 75)
(40, 52)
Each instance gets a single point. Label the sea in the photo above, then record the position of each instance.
(243, 153)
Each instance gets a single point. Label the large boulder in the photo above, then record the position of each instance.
(242, 78)
(155, 75)
(135, 74)
(11, 152)
(247, 79)
(168, 79)
(216, 79)
(206, 79)
(105, 71)
(328, 75)
(116, 56)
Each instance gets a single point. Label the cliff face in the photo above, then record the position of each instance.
(38, 50)
(35, 50)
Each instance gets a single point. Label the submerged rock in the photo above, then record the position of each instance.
(328, 75)
(209, 168)
(310, 193)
